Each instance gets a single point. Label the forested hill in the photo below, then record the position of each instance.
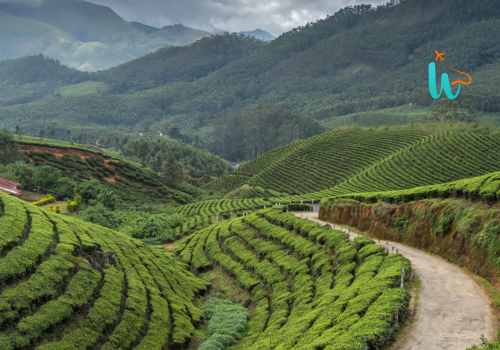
(81, 34)
(37, 68)
(361, 58)
(182, 63)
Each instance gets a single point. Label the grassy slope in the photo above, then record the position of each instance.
(354, 159)
(400, 115)
(132, 183)
(41, 307)
(87, 87)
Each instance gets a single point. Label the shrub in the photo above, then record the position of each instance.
(47, 200)
(58, 209)
(227, 320)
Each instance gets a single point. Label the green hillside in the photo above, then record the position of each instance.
(178, 64)
(32, 78)
(81, 34)
(69, 284)
(89, 22)
(299, 307)
(335, 70)
(352, 159)
(66, 167)
(356, 160)
(27, 37)
(86, 87)
(405, 114)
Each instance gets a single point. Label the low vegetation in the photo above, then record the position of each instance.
(309, 285)
(71, 284)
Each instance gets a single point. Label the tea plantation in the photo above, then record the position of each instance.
(311, 287)
(357, 160)
(67, 284)
(132, 184)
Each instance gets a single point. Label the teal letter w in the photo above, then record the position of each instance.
(445, 84)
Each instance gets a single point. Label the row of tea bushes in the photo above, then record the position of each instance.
(310, 284)
(60, 290)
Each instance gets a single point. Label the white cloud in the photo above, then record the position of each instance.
(274, 16)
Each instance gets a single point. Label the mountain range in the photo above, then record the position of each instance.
(360, 59)
(82, 35)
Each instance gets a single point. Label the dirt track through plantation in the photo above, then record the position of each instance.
(452, 311)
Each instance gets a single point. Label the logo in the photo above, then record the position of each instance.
(445, 80)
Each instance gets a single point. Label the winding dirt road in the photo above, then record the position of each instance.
(452, 312)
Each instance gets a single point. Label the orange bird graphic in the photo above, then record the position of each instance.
(439, 56)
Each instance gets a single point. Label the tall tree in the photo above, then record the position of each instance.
(51, 133)
(19, 132)
(42, 133)
(9, 153)
(469, 109)
(68, 132)
(445, 110)
(141, 149)
(147, 124)
(173, 171)
(158, 162)
(173, 131)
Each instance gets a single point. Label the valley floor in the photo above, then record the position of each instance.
(452, 312)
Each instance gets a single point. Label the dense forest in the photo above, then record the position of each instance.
(259, 128)
(360, 59)
(175, 64)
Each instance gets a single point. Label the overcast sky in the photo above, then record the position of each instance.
(274, 16)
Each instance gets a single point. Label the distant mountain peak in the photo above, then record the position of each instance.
(257, 33)
(260, 34)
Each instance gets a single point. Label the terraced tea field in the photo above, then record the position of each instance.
(67, 284)
(132, 184)
(311, 288)
(319, 162)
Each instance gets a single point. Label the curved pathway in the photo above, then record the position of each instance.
(452, 311)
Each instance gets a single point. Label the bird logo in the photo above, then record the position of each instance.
(445, 80)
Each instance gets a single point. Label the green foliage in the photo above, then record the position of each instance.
(178, 64)
(88, 177)
(56, 275)
(193, 160)
(48, 199)
(226, 322)
(485, 345)
(152, 229)
(8, 148)
(288, 264)
(73, 206)
(259, 128)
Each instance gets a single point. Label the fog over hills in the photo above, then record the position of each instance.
(82, 35)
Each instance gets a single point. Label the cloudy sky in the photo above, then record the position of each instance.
(274, 16)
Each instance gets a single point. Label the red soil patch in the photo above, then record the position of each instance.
(58, 152)
(111, 179)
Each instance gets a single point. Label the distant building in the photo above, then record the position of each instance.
(10, 187)
(232, 164)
